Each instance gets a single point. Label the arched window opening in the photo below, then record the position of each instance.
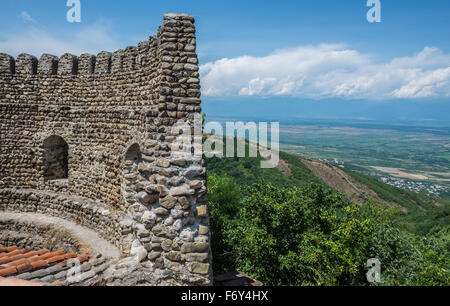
(56, 158)
(133, 154)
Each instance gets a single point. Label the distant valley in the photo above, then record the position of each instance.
(411, 157)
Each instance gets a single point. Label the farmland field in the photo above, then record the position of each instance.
(407, 156)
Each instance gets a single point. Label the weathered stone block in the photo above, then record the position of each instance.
(202, 211)
(194, 247)
(168, 202)
(199, 257)
(203, 230)
(197, 267)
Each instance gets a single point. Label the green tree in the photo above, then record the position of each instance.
(224, 197)
(315, 236)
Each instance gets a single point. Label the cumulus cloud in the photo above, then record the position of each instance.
(35, 39)
(329, 71)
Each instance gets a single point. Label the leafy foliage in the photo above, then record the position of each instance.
(295, 230)
(422, 215)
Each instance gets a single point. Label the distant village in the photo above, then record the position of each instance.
(334, 162)
(431, 188)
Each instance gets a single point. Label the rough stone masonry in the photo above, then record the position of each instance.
(88, 139)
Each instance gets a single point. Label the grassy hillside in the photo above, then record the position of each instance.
(247, 171)
(285, 226)
(420, 213)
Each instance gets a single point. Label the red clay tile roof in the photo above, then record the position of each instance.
(12, 282)
(43, 266)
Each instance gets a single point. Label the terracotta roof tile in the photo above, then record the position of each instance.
(36, 253)
(55, 259)
(34, 258)
(70, 255)
(8, 259)
(8, 271)
(12, 248)
(16, 282)
(9, 254)
(40, 265)
(62, 264)
(50, 255)
(18, 262)
(83, 258)
(24, 268)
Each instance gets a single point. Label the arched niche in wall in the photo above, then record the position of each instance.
(133, 155)
(132, 159)
(55, 158)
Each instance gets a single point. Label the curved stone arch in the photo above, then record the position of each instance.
(133, 153)
(127, 146)
(39, 138)
(55, 158)
(49, 130)
(129, 143)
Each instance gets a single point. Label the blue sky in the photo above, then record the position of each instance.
(302, 52)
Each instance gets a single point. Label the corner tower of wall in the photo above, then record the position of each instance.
(150, 203)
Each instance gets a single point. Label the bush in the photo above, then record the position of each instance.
(224, 196)
(315, 236)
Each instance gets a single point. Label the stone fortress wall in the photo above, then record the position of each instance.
(88, 139)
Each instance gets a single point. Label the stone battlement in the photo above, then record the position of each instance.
(121, 61)
(101, 129)
(109, 75)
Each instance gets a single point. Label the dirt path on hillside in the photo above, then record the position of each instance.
(341, 181)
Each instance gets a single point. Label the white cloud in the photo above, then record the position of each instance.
(327, 71)
(435, 83)
(26, 17)
(36, 40)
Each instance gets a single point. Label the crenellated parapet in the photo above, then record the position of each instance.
(121, 61)
(68, 64)
(48, 65)
(7, 64)
(86, 64)
(132, 58)
(167, 61)
(26, 64)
